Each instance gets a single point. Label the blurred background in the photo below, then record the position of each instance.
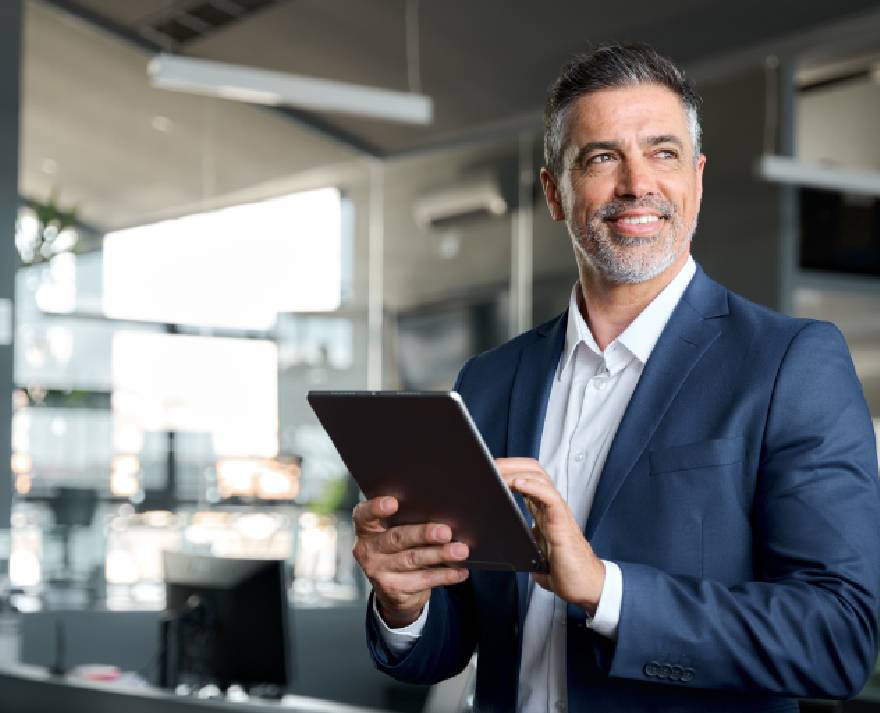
(196, 245)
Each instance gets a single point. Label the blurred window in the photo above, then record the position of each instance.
(234, 268)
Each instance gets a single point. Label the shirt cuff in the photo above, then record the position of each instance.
(608, 611)
(401, 640)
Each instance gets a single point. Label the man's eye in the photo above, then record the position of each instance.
(667, 153)
(600, 158)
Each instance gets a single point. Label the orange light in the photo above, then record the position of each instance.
(22, 463)
(124, 472)
(267, 479)
(23, 483)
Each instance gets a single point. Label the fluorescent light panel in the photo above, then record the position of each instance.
(263, 86)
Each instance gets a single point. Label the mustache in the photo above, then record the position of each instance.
(615, 208)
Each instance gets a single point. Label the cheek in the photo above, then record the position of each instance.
(587, 200)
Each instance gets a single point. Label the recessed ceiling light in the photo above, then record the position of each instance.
(162, 123)
(49, 166)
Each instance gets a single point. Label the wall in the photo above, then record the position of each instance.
(738, 240)
(837, 125)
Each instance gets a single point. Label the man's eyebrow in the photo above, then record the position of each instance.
(664, 139)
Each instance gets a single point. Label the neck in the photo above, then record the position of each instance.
(612, 306)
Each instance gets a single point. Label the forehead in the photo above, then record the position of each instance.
(626, 113)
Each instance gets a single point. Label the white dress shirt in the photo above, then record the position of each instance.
(590, 392)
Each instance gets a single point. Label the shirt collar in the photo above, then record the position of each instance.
(639, 338)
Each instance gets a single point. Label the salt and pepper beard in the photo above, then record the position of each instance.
(613, 256)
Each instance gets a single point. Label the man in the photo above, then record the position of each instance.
(703, 470)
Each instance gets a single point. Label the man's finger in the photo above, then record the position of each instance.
(509, 466)
(405, 537)
(409, 583)
(542, 493)
(368, 516)
(424, 557)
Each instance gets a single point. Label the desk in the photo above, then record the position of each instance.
(28, 689)
(330, 659)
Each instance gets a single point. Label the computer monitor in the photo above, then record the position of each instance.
(226, 622)
(74, 507)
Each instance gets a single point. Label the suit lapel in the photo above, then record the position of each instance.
(528, 406)
(684, 340)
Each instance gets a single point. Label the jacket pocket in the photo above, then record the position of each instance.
(704, 454)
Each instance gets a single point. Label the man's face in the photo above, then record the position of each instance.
(630, 187)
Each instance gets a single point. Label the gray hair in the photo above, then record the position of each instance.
(610, 66)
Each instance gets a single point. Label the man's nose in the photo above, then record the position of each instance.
(635, 179)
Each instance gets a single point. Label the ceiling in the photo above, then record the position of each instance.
(123, 153)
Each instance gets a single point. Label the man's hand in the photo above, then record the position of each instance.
(402, 562)
(576, 574)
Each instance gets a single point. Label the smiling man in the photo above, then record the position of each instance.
(702, 470)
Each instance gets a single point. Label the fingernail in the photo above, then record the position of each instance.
(441, 533)
(459, 550)
(386, 504)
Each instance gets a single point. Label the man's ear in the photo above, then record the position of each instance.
(551, 195)
(701, 165)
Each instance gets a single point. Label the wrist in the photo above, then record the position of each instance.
(593, 589)
(398, 617)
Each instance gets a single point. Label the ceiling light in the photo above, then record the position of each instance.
(262, 86)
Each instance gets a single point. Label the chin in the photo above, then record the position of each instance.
(632, 269)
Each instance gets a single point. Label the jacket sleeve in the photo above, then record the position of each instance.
(807, 625)
(445, 646)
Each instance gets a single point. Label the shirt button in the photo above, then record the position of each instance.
(578, 457)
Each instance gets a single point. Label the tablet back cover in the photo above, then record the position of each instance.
(422, 448)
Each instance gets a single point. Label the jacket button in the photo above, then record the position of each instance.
(665, 670)
(687, 675)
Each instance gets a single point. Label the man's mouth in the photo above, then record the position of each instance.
(638, 219)
(636, 225)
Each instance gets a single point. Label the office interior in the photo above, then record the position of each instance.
(186, 265)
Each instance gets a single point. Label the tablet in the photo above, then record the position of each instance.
(424, 449)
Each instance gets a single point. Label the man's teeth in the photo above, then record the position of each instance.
(640, 219)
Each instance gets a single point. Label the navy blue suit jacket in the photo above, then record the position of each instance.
(740, 499)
